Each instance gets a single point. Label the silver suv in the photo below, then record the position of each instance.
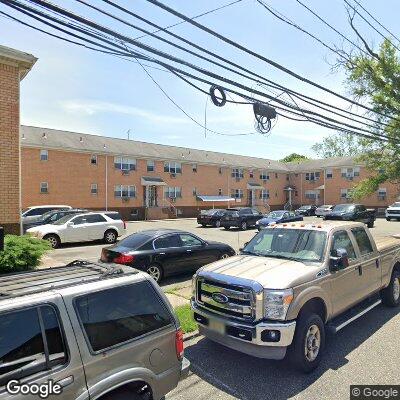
(88, 331)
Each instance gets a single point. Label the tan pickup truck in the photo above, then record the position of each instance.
(293, 282)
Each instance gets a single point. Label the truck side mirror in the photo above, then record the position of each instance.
(245, 244)
(338, 260)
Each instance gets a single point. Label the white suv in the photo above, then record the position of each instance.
(81, 228)
(393, 212)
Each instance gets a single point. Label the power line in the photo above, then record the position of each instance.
(121, 37)
(260, 57)
(333, 28)
(195, 17)
(370, 24)
(382, 26)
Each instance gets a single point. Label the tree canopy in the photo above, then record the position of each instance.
(294, 157)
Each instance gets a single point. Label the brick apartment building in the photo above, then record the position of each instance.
(145, 180)
(14, 65)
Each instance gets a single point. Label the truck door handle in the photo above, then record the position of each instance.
(161, 254)
(377, 263)
(66, 381)
(188, 250)
(360, 271)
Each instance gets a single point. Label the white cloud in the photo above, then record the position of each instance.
(89, 108)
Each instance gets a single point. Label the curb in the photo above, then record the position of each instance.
(191, 335)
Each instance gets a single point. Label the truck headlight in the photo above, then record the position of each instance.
(276, 303)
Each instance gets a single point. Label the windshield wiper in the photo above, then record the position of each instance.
(250, 253)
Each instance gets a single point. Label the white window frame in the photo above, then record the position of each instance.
(194, 167)
(121, 161)
(173, 167)
(94, 190)
(172, 192)
(237, 193)
(124, 191)
(311, 194)
(44, 185)
(44, 155)
(313, 176)
(152, 165)
(237, 173)
(264, 176)
(264, 194)
(93, 157)
(329, 173)
(382, 193)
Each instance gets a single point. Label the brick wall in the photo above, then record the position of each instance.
(9, 148)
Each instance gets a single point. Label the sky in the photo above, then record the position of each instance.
(76, 89)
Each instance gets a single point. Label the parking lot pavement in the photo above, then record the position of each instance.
(366, 352)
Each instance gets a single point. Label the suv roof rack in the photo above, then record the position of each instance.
(74, 273)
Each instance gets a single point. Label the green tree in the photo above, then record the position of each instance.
(294, 157)
(339, 145)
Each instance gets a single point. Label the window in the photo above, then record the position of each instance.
(93, 188)
(44, 155)
(350, 173)
(79, 220)
(237, 193)
(23, 351)
(362, 239)
(311, 194)
(220, 170)
(264, 176)
(312, 176)
(125, 191)
(120, 314)
(125, 163)
(264, 194)
(173, 167)
(166, 242)
(93, 159)
(219, 192)
(329, 173)
(255, 212)
(93, 218)
(190, 241)
(251, 174)
(345, 193)
(172, 192)
(150, 166)
(341, 240)
(44, 187)
(115, 215)
(276, 175)
(287, 177)
(237, 173)
(194, 192)
(382, 193)
(194, 167)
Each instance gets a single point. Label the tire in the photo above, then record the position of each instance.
(227, 228)
(156, 272)
(217, 223)
(224, 256)
(391, 295)
(243, 226)
(203, 225)
(110, 236)
(387, 219)
(308, 343)
(370, 224)
(54, 240)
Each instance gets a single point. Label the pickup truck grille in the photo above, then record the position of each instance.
(393, 211)
(237, 301)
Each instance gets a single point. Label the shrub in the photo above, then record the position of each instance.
(21, 253)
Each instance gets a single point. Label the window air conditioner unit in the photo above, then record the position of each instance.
(237, 179)
(125, 172)
(349, 177)
(172, 199)
(381, 197)
(125, 198)
(173, 175)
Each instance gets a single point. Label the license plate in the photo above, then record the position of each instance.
(217, 326)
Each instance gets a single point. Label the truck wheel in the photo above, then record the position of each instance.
(370, 224)
(227, 228)
(391, 295)
(309, 342)
(387, 219)
(217, 223)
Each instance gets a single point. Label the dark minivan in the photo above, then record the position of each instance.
(241, 217)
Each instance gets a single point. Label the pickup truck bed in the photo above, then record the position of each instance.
(387, 243)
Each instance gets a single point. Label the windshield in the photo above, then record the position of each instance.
(344, 207)
(397, 204)
(304, 207)
(291, 244)
(46, 215)
(209, 212)
(275, 214)
(64, 219)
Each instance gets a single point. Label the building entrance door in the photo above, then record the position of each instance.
(150, 196)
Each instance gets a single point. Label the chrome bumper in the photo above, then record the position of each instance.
(286, 329)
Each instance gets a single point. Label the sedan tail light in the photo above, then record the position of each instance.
(179, 344)
(124, 259)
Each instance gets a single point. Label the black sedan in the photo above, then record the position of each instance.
(210, 217)
(278, 217)
(306, 210)
(165, 252)
(52, 216)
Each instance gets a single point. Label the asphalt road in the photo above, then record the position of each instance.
(366, 352)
